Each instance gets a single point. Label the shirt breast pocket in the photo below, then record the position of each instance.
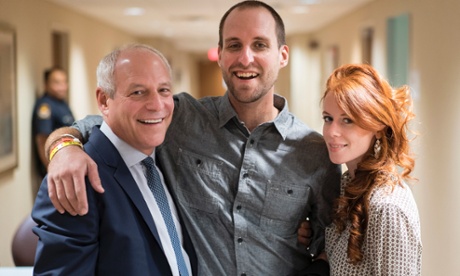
(285, 206)
(199, 180)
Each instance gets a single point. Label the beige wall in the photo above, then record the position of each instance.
(435, 79)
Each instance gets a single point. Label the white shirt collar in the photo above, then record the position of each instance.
(130, 155)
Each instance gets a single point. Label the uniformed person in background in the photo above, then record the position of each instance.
(51, 111)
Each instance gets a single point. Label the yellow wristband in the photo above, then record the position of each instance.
(61, 138)
(74, 142)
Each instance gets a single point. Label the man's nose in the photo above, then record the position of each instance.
(246, 56)
(154, 101)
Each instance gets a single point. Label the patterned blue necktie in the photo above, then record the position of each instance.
(154, 182)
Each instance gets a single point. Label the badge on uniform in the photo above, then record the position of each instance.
(44, 111)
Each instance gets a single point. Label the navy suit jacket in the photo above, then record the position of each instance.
(118, 235)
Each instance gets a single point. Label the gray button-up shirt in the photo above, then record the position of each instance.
(242, 195)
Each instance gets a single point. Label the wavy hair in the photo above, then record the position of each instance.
(371, 103)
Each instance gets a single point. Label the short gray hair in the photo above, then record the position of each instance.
(105, 69)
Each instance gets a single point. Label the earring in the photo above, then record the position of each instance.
(377, 148)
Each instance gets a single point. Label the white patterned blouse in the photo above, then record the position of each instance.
(392, 245)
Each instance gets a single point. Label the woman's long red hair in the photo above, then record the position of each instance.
(371, 103)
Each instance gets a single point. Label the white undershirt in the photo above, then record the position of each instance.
(133, 158)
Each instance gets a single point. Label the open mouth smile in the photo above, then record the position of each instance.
(245, 76)
(153, 121)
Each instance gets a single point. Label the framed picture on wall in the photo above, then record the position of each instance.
(8, 120)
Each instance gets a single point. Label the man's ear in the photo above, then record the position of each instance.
(284, 56)
(102, 101)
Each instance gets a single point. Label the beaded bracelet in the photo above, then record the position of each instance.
(65, 143)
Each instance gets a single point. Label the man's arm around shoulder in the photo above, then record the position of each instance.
(66, 174)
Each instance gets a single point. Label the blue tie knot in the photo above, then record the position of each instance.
(148, 162)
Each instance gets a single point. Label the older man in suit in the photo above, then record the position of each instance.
(134, 227)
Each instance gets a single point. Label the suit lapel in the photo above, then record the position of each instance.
(123, 177)
(132, 190)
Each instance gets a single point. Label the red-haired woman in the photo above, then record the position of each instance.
(376, 228)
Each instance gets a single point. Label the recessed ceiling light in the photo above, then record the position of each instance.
(134, 11)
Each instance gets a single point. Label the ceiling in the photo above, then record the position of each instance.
(192, 25)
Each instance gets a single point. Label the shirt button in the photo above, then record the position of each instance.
(251, 142)
(238, 207)
(240, 240)
(245, 175)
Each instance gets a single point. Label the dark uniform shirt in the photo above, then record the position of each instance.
(49, 114)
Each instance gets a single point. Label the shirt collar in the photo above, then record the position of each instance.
(281, 121)
(130, 155)
(226, 111)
